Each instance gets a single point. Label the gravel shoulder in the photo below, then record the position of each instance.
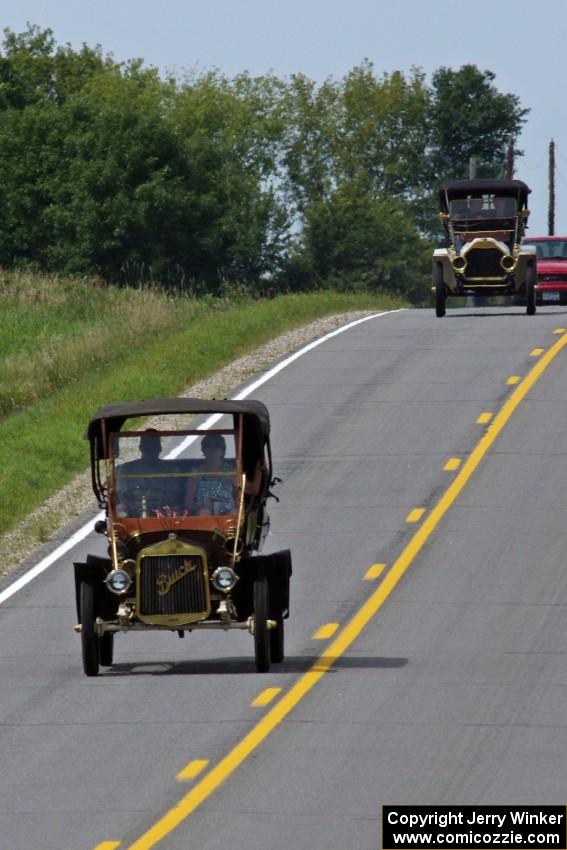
(48, 523)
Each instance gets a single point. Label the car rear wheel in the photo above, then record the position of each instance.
(530, 291)
(440, 294)
(89, 640)
(261, 631)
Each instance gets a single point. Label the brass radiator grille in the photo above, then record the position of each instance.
(171, 584)
(484, 263)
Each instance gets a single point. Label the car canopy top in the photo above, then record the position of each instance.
(452, 189)
(255, 414)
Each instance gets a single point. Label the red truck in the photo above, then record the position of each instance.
(551, 261)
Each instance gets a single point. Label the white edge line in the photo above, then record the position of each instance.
(309, 347)
(86, 529)
(46, 562)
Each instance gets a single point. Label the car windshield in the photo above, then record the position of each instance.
(156, 475)
(549, 249)
(482, 207)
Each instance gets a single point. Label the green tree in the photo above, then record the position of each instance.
(471, 118)
(112, 171)
(362, 129)
(309, 142)
(117, 193)
(353, 242)
(355, 164)
(33, 68)
(106, 168)
(88, 185)
(228, 133)
(383, 131)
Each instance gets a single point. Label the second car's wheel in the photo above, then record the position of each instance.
(440, 294)
(261, 631)
(277, 642)
(89, 640)
(530, 291)
(106, 647)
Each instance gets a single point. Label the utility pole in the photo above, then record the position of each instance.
(510, 159)
(472, 168)
(551, 206)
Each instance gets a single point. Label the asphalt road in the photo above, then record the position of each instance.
(452, 692)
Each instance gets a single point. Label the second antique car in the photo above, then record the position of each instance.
(185, 519)
(485, 221)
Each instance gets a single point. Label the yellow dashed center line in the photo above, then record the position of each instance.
(535, 352)
(326, 631)
(265, 697)
(484, 418)
(374, 571)
(415, 515)
(559, 331)
(452, 464)
(193, 769)
(108, 845)
(513, 379)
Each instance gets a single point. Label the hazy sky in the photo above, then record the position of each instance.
(523, 42)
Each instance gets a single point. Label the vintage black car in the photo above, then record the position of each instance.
(484, 221)
(185, 519)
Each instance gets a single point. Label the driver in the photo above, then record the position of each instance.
(133, 490)
(150, 449)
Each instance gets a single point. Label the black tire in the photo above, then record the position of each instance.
(89, 640)
(277, 642)
(106, 649)
(530, 291)
(261, 631)
(440, 294)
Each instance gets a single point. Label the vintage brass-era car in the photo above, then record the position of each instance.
(484, 221)
(185, 518)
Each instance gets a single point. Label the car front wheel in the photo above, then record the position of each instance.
(530, 291)
(89, 640)
(440, 294)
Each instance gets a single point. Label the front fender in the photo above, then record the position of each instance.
(526, 260)
(276, 568)
(441, 256)
(94, 572)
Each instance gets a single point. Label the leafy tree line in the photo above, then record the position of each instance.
(108, 169)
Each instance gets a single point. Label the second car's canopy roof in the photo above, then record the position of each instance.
(451, 189)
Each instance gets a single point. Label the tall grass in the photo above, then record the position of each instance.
(144, 356)
(54, 331)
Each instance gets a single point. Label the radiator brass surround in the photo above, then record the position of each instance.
(173, 548)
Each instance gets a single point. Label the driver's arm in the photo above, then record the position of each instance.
(190, 492)
(254, 484)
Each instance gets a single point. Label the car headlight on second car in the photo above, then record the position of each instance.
(224, 578)
(459, 263)
(118, 581)
(508, 262)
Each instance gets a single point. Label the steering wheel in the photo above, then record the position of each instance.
(133, 498)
